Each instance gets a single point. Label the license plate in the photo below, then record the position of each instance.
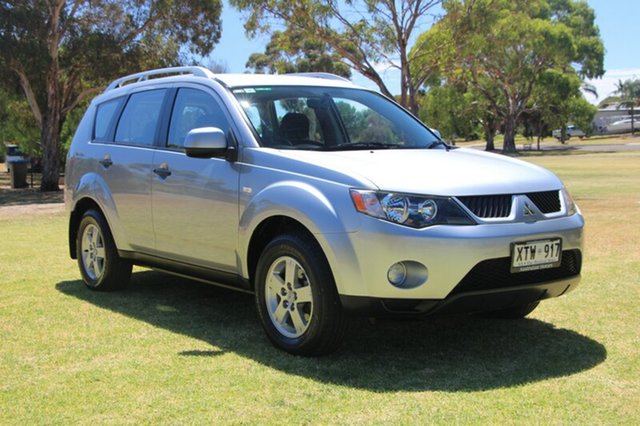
(534, 255)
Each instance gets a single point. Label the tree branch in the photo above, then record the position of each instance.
(28, 91)
(81, 96)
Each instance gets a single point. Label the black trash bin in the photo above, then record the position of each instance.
(19, 173)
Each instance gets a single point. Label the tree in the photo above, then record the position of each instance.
(367, 34)
(558, 100)
(629, 92)
(63, 51)
(306, 54)
(452, 110)
(503, 48)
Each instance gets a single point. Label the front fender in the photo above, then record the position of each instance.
(329, 222)
(93, 187)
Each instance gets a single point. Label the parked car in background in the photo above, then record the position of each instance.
(571, 131)
(13, 154)
(622, 126)
(322, 198)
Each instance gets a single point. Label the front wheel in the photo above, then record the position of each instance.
(296, 297)
(100, 265)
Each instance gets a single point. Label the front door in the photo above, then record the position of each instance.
(195, 201)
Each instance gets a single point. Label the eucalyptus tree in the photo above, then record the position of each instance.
(558, 100)
(62, 51)
(369, 35)
(297, 53)
(504, 48)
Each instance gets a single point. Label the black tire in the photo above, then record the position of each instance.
(101, 267)
(516, 312)
(321, 322)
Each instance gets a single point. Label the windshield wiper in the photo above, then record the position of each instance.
(361, 145)
(437, 143)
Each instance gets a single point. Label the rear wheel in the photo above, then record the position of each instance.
(515, 312)
(100, 265)
(296, 297)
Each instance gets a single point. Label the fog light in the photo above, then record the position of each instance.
(397, 274)
(407, 274)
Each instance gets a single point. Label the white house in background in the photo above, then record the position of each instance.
(604, 120)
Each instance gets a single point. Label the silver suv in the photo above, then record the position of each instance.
(322, 198)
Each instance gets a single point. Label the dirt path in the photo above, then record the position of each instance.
(31, 210)
(27, 201)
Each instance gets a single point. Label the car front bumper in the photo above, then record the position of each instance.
(461, 261)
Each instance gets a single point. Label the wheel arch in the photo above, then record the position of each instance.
(93, 191)
(75, 217)
(265, 232)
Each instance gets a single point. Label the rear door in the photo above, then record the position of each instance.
(124, 137)
(195, 201)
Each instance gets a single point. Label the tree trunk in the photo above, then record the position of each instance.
(50, 139)
(539, 132)
(510, 133)
(50, 135)
(489, 136)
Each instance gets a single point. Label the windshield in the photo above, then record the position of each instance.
(327, 118)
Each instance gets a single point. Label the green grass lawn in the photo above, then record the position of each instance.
(551, 142)
(169, 350)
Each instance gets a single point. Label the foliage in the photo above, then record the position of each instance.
(63, 51)
(300, 53)
(608, 101)
(452, 111)
(17, 124)
(557, 101)
(503, 49)
(366, 34)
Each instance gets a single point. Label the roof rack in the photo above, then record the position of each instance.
(164, 72)
(325, 75)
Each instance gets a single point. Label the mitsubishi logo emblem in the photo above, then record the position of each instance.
(527, 210)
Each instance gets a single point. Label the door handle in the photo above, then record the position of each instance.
(106, 161)
(163, 171)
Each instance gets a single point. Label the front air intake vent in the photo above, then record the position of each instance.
(547, 202)
(488, 206)
(496, 273)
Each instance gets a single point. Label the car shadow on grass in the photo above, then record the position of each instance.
(440, 353)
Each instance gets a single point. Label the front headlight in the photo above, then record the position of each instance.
(570, 205)
(415, 211)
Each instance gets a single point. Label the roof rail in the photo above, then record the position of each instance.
(165, 72)
(325, 75)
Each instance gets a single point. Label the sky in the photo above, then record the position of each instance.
(617, 20)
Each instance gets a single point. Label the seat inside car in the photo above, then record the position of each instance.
(295, 127)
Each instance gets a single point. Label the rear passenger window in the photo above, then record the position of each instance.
(193, 109)
(104, 118)
(139, 119)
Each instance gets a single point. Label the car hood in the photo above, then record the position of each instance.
(456, 172)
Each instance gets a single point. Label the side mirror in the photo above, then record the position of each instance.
(206, 142)
(436, 132)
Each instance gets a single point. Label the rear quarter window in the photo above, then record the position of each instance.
(105, 116)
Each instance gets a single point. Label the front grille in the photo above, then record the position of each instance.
(488, 206)
(496, 273)
(499, 206)
(547, 202)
